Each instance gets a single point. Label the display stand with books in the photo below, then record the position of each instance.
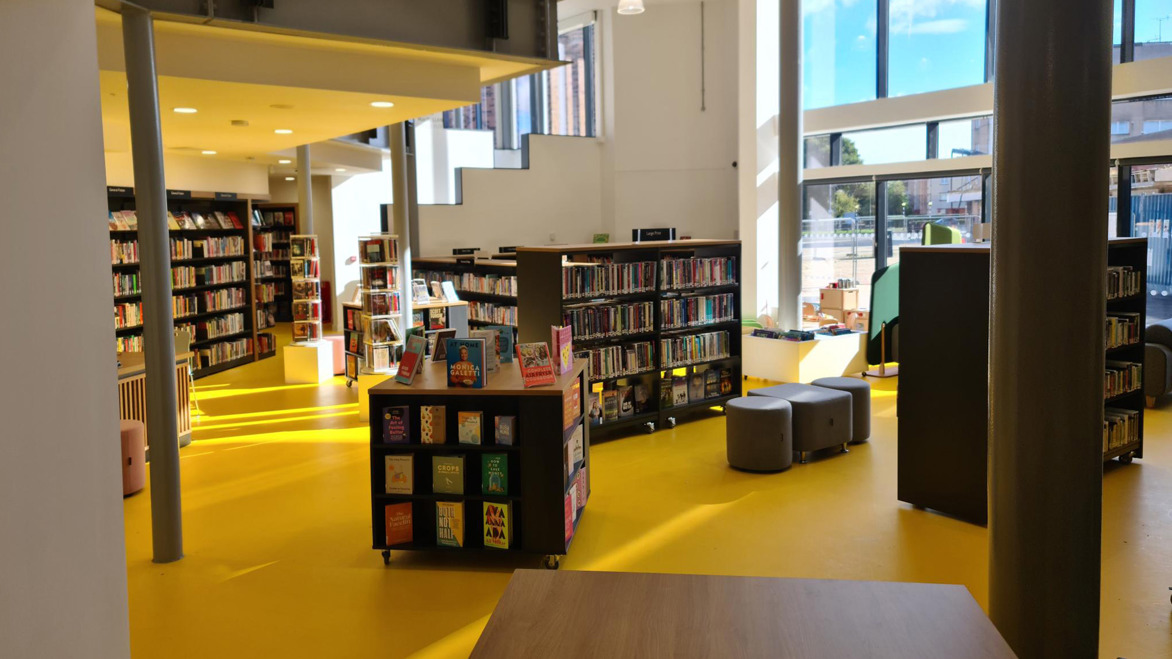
(213, 286)
(658, 322)
(373, 334)
(305, 271)
(496, 468)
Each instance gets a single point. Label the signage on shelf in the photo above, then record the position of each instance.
(224, 196)
(179, 194)
(511, 249)
(119, 191)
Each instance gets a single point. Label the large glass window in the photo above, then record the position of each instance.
(935, 44)
(817, 151)
(965, 137)
(1151, 217)
(839, 61)
(955, 202)
(838, 237)
(1153, 29)
(1117, 31)
(884, 145)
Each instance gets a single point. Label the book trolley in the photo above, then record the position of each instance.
(305, 271)
(548, 460)
(658, 323)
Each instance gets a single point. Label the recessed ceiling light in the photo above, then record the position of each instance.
(186, 110)
(382, 104)
(283, 131)
(208, 152)
(340, 169)
(290, 178)
(284, 161)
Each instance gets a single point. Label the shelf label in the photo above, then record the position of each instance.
(510, 249)
(119, 191)
(179, 194)
(225, 196)
(464, 251)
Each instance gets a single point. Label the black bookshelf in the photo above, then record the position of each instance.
(278, 221)
(488, 285)
(1129, 253)
(543, 303)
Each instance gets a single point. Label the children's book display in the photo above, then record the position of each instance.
(306, 275)
(381, 337)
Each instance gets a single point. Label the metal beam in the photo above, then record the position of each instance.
(150, 198)
(883, 31)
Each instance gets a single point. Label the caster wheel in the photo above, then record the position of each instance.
(349, 384)
(551, 562)
(671, 422)
(1126, 458)
(386, 557)
(649, 427)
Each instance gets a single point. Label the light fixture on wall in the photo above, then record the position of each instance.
(630, 7)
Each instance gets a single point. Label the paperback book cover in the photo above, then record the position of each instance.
(577, 445)
(569, 516)
(494, 475)
(449, 523)
(696, 387)
(536, 369)
(412, 359)
(665, 393)
(505, 430)
(466, 363)
(468, 426)
(492, 347)
(580, 488)
(432, 429)
(498, 524)
(439, 344)
(571, 404)
(711, 383)
(679, 389)
(400, 474)
(399, 527)
(563, 351)
(505, 342)
(626, 401)
(447, 474)
(642, 398)
(449, 290)
(725, 381)
(610, 405)
(396, 424)
(596, 407)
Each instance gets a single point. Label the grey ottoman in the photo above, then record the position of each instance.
(860, 392)
(821, 417)
(758, 434)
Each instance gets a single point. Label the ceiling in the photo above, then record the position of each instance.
(316, 87)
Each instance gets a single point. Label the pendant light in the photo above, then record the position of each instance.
(630, 7)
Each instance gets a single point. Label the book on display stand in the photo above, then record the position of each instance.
(306, 274)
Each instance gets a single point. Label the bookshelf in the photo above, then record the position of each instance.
(548, 481)
(658, 323)
(272, 226)
(212, 276)
(1126, 319)
(372, 333)
(488, 285)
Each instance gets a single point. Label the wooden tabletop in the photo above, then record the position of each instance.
(436, 303)
(647, 244)
(565, 614)
(133, 363)
(505, 382)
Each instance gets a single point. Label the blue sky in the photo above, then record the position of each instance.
(1148, 27)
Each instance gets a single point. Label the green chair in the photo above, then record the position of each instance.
(883, 333)
(938, 234)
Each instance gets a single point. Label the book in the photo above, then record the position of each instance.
(412, 360)
(396, 424)
(505, 430)
(642, 397)
(580, 488)
(447, 474)
(711, 383)
(571, 404)
(437, 291)
(492, 348)
(695, 387)
(439, 344)
(577, 445)
(536, 369)
(449, 523)
(596, 407)
(610, 405)
(569, 507)
(665, 392)
(725, 381)
(563, 351)
(679, 390)
(498, 524)
(236, 223)
(494, 474)
(468, 426)
(466, 363)
(400, 470)
(431, 424)
(626, 401)
(399, 524)
(505, 342)
(186, 221)
(449, 290)
(419, 292)
(172, 223)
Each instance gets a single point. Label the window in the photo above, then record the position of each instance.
(965, 137)
(817, 151)
(1144, 119)
(884, 145)
(1117, 31)
(912, 203)
(1120, 128)
(571, 87)
(1151, 217)
(838, 237)
(1153, 29)
(1156, 126)
(840, 52)
(935, 44)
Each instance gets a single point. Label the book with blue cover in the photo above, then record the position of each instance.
(467, 366)
(506, 341)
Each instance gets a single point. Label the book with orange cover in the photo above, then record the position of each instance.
(400, 529)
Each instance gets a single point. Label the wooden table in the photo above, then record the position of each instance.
(132, 393)
(610, 614)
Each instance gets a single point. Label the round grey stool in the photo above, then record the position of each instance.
(758, 433)
(860, 392)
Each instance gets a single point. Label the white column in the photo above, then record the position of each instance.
(305, 189)
(789, 167)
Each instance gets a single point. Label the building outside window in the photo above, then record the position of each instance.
(954, 201)
(838, 237)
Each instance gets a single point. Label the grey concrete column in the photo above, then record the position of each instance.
(1052, 112)
(305, 189)
(150, 199)
(400, 223)
(789, 168)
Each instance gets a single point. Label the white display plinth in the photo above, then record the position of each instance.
(804, 361)
(365, 382)
(309, 362)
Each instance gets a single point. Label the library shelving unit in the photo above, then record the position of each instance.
(352, 335)
(488, 285)
(658, 323)
(547, 483)
(212, 278)
(305, 271)
(377, 342)
(1127, 316)
(272, 225)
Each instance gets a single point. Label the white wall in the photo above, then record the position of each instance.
(323, 224)
(62, 558)
(438, 152)
(356, 202)
(202, 173)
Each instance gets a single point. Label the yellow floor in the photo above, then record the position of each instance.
(277, 532)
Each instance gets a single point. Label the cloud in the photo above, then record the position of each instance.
(942, 26)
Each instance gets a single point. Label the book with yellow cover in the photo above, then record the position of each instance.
(498, 525)
(449, 523)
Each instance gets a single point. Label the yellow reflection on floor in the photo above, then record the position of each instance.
(277, 532)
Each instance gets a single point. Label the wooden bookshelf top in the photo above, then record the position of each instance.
(608, 247)
(439, 304)
(980, 248)
(133, 363)
(433, 380)
(453, 260)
